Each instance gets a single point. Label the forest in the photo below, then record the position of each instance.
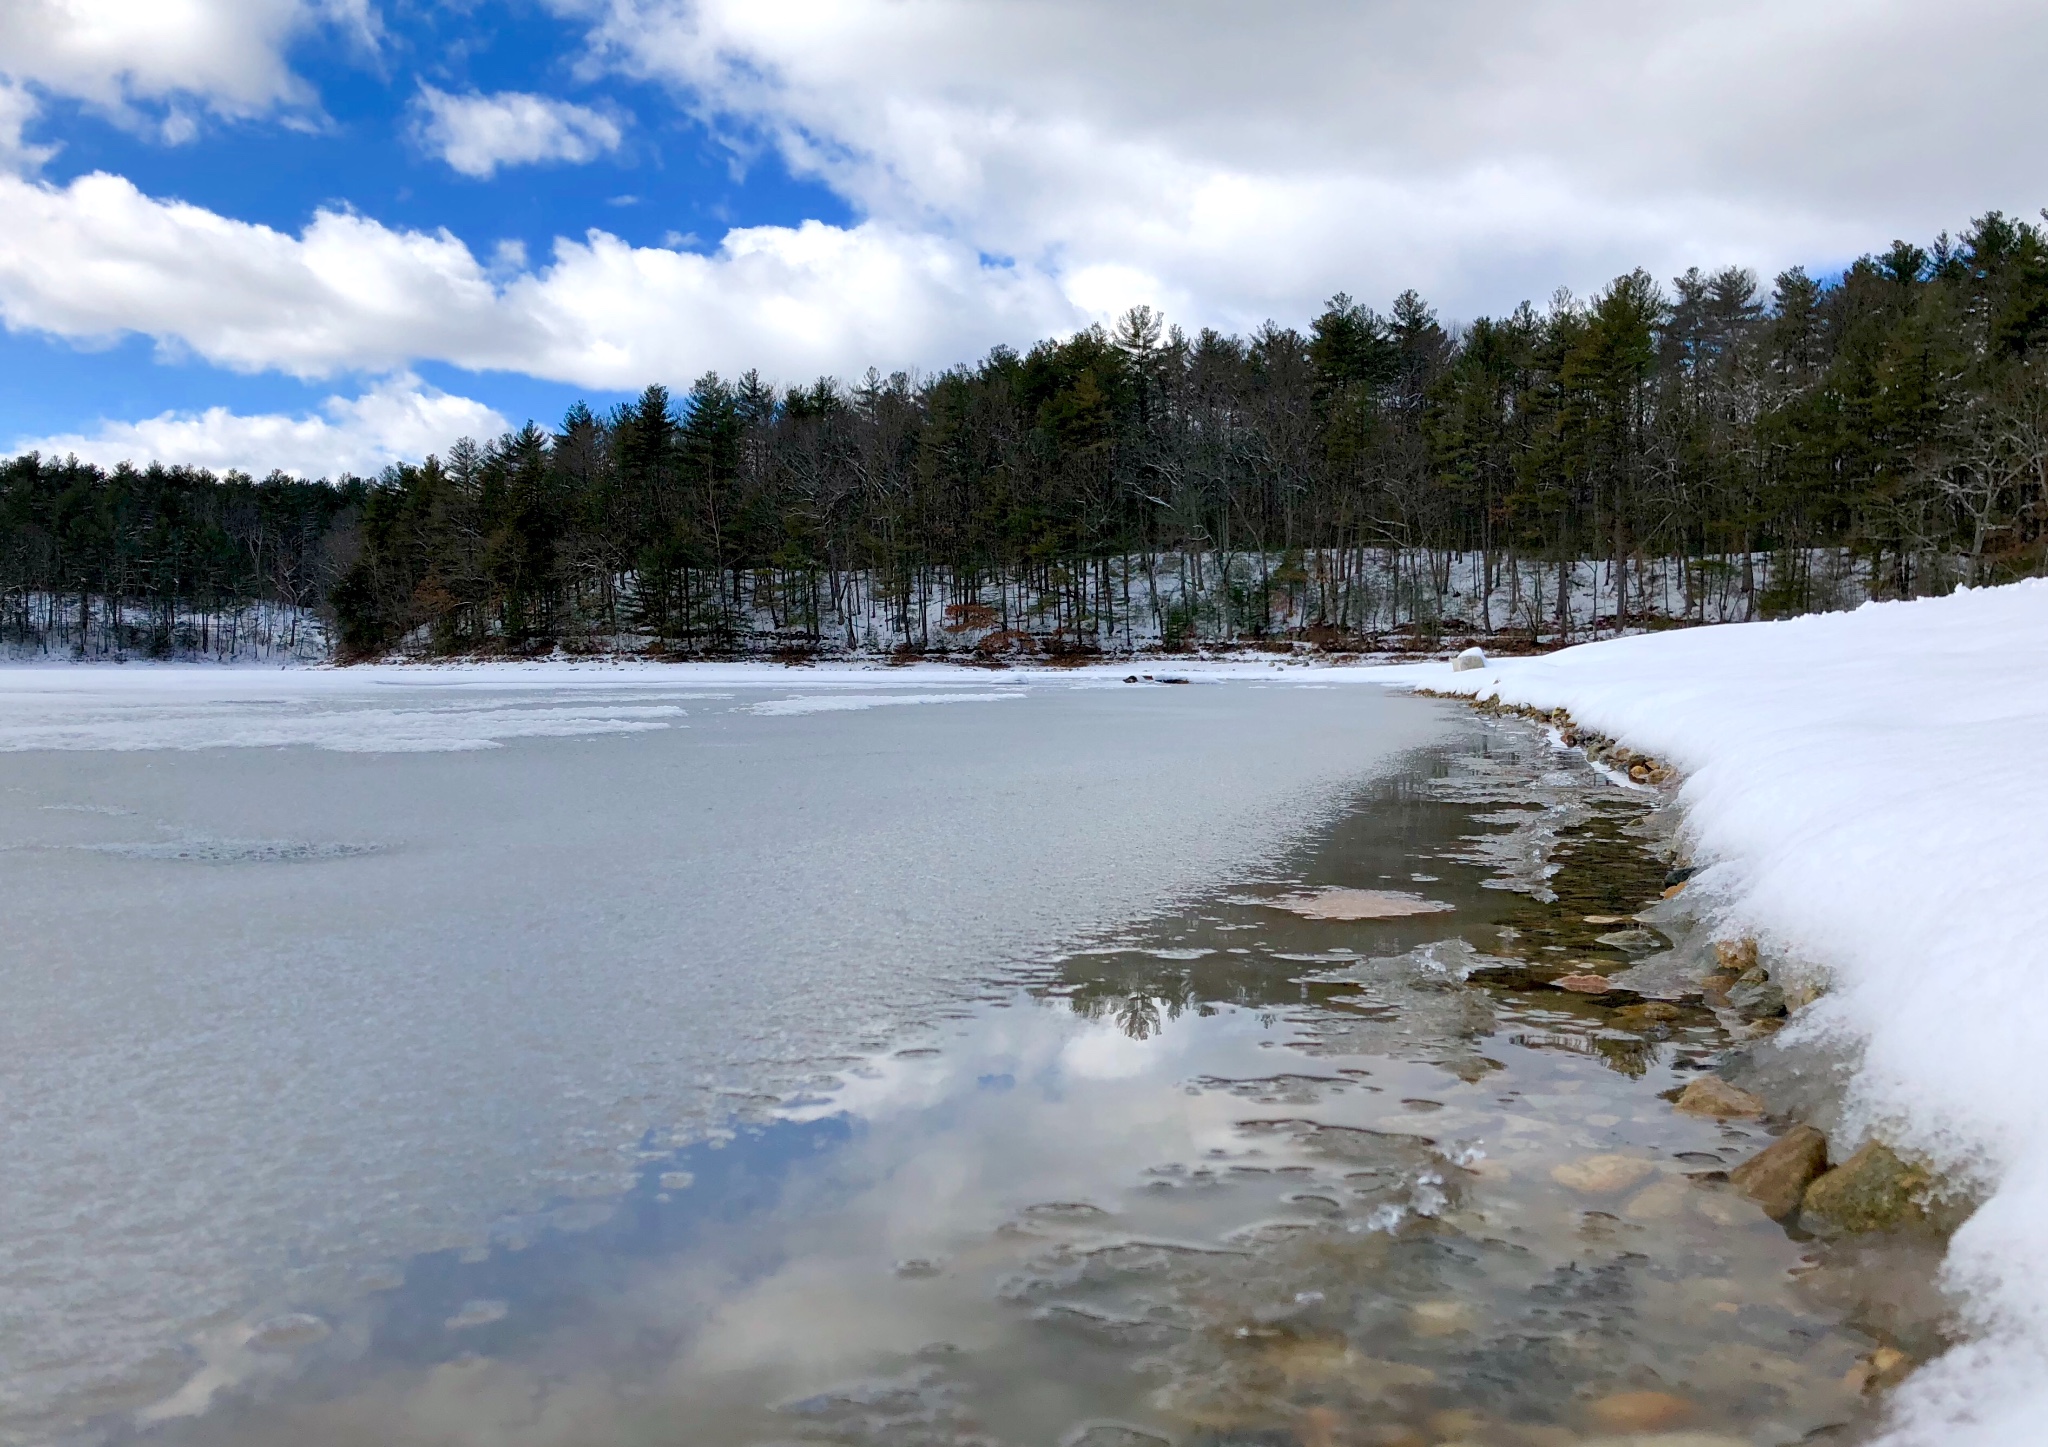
(1641, 457)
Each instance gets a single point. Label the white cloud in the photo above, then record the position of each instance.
(97, 258)
(227, 54)
(1226, 163)
(17, 109)
(400, 420)
(476, 134)
(1235, 161)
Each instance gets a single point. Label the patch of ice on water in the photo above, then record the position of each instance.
(847, 702)
(336, 724)
(228, 851)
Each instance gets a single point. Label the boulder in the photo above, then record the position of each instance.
(1871, 1191)
(1776, 1177)
(1470, 659)
(1711, 1095)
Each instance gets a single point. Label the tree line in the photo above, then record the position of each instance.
(1895, 416)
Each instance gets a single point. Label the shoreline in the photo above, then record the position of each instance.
(1854, 813)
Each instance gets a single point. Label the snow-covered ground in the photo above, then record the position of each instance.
(1870, 790)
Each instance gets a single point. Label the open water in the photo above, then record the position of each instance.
(424, 1061)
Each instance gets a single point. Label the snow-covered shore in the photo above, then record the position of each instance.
(1869, 794)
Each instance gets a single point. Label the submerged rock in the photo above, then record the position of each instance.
(1885, 1367)
(1871, 1191)
(288, 1333)
(1583, 984)
(1776, 1177)
(1111, 1434)
(1711, 1095)
(1602, 1175)
(1640, 1411)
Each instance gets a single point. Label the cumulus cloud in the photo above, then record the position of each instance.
(17, 109)
(97, 258)
(400, 420)
(227, 55)
(1232, 160)
(1021, 168)
(476, 134)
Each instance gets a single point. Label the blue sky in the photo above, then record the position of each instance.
(323, 234)
(671, 182)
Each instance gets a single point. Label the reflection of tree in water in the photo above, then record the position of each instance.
(1601, 873)
(1140, 1012)
(1142, 993)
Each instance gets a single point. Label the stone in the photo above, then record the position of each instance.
(1662, 1201)
(1321, 1427)
(1583, 984)
(287, 1333)
(1735, 957)
(1712, 1096)
(1640, 1411)
(1799, 996)
(1306, 1360)
(1111, 1434)
(1470, 659)
(1539, 1434)
(1885, 1367)
(1777, 1176)
(1650, 1012)
(1445, 1316)
(1455, 1424)
(1602, 1175)
(1756, 996)
(1871, 1191)
(1390, 1434)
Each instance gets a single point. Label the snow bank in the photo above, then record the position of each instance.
(1872, 793)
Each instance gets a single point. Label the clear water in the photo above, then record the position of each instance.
(309, 978)
(842, 1073)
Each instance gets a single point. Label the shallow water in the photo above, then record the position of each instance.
(309, 974)
(1223, 1175)
(1203, 1173)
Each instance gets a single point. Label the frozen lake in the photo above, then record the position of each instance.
(308, 974)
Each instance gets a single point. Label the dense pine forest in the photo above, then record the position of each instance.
(1646, 455)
